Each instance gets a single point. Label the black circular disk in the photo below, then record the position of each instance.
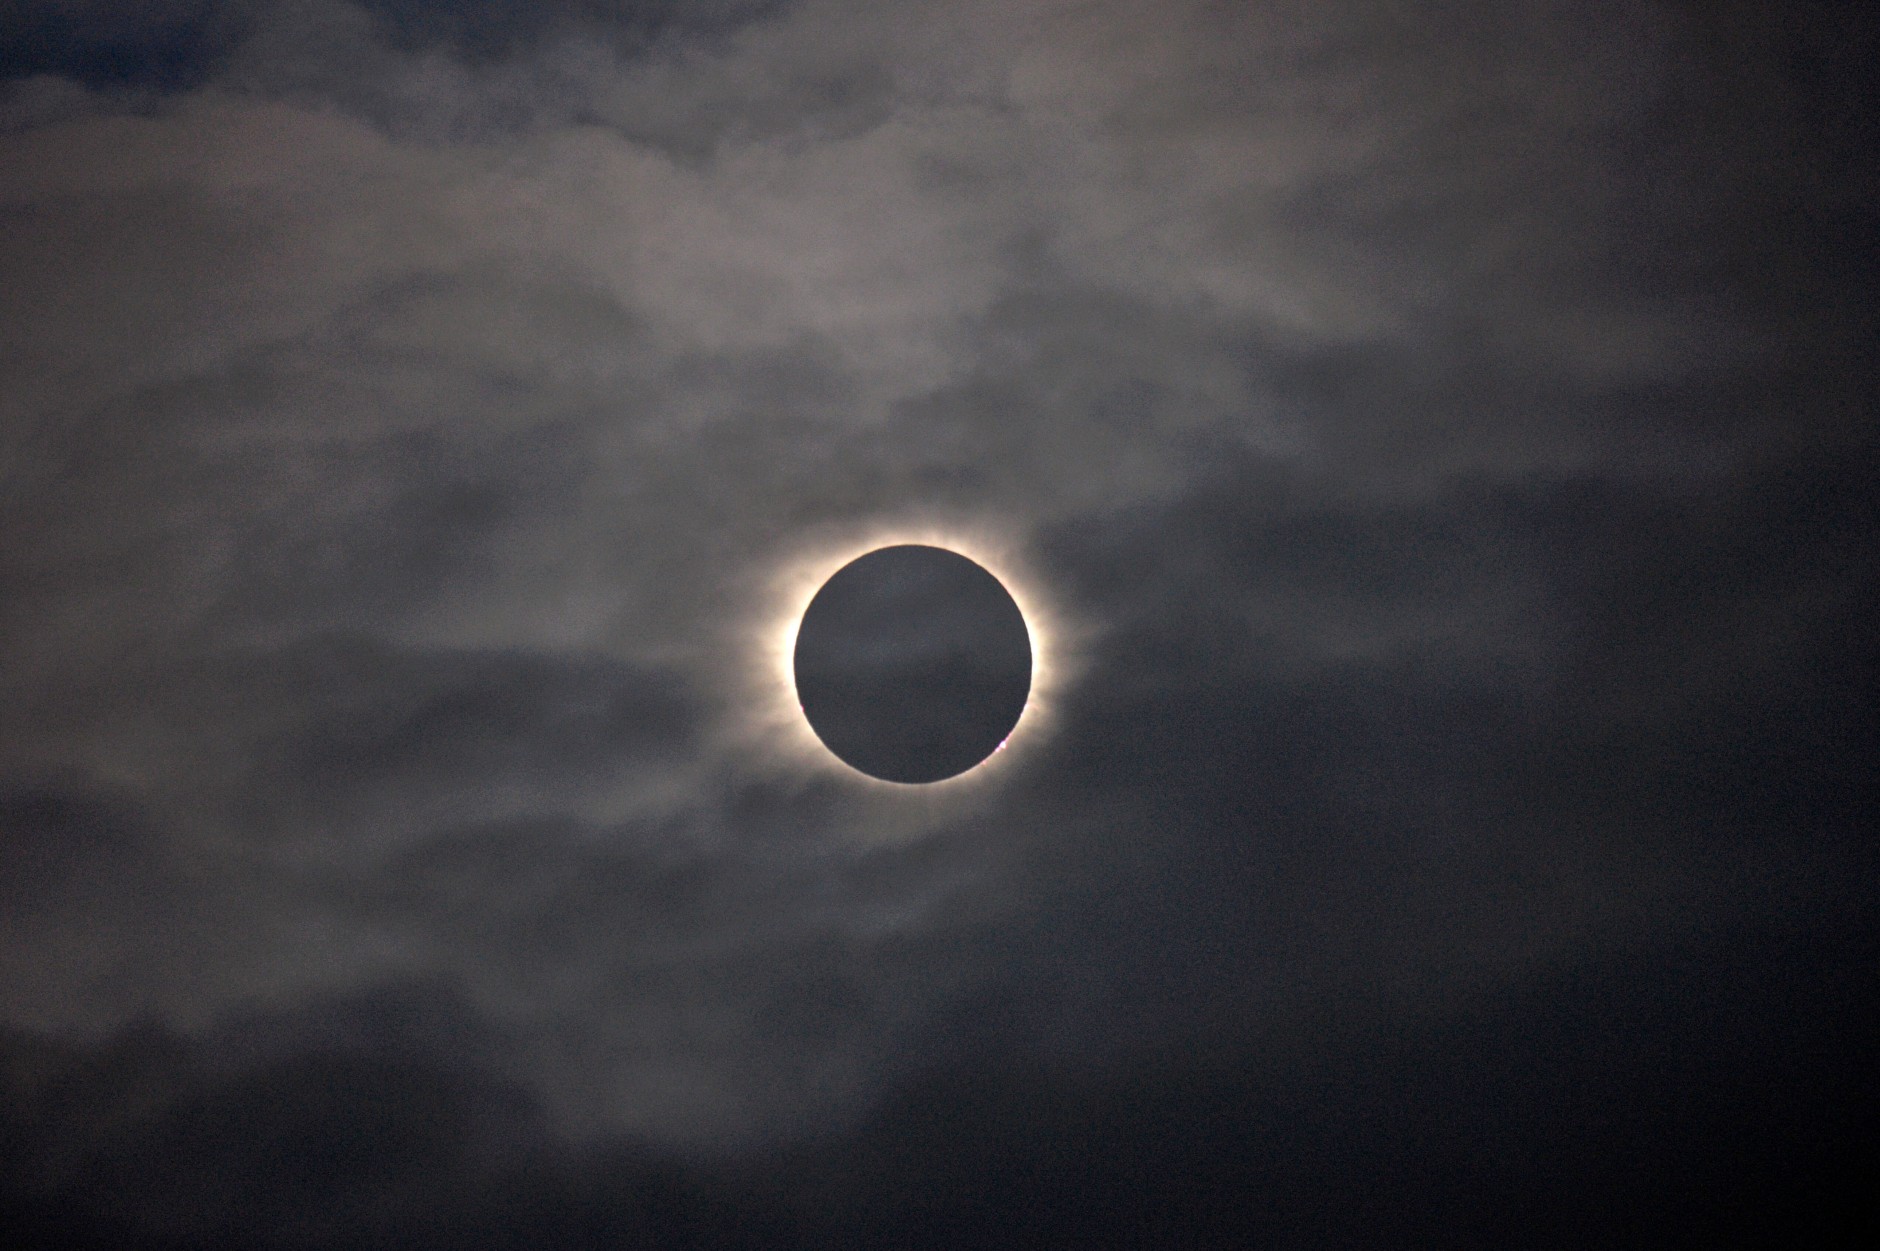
(912, 663)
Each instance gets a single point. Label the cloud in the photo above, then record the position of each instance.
(406, 413)
(149, 1140)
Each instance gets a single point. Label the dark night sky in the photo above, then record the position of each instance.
(1434, 444)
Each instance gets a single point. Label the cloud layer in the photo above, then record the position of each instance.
(1435, 441)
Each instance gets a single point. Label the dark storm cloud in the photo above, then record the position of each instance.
(1441, 436)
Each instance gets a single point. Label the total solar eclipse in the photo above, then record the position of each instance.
(912, 664)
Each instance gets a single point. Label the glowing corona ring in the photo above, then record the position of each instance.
(784, 732)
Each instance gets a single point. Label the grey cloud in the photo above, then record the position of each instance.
(1448, 425)
(1009, 1155)
(444, 740)
(53, 832)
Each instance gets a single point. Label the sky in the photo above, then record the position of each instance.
(1432, 445)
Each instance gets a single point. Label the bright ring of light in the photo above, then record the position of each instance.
(783, 729)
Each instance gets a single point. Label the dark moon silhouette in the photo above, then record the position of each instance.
(912, 663)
